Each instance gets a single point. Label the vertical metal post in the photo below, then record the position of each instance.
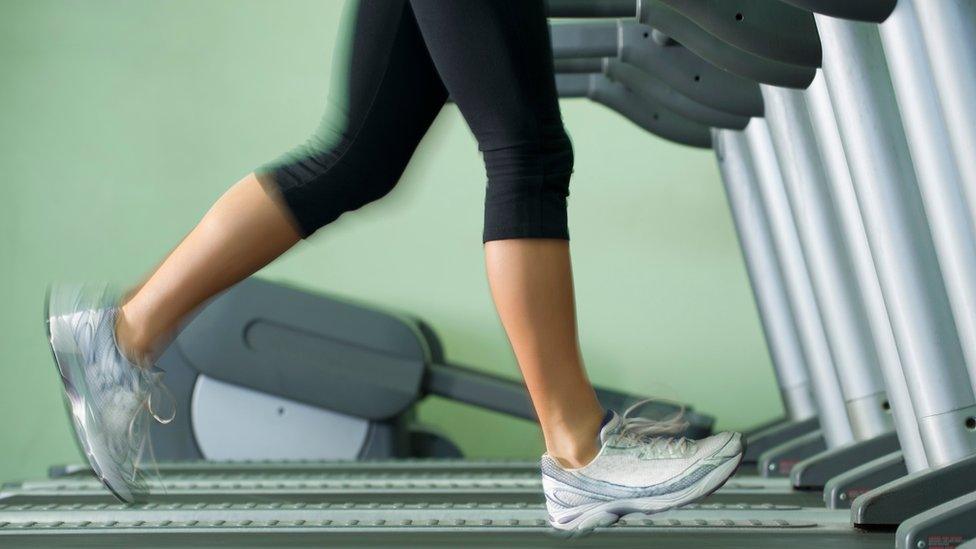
(765, 276)
(834, 421)
(883, 176)
(828, 261)
(937, 174)
(852, 225)
(949, 31)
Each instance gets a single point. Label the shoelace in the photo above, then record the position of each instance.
(649, 431)
(667, 446)
(139, 440)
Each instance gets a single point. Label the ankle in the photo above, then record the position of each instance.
(574, 444)
(132, 339)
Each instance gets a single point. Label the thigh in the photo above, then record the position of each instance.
(495, 58)
(380, 61)
(384, 93)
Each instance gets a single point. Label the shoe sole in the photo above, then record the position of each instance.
(608, 513)
(65, 352)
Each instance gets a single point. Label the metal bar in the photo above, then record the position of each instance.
(949, 30)
(590, 39)
(765, 276)
(937, 174)
(830, 402)
(828, 262)
(852, 225)
(880, 162)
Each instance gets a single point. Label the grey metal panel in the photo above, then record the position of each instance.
(590, 39)
(765, 276)
(653, 89)
(852, 224)
(654, 118)
(815, 471)
(907, 496)
(773, 30)
(232, 422)
(310, 348)
(570, 85)
(949, 524)
(828, 261)
(776, 435)
(860, 10)
(830, 402)
(688, 73)
(841, 490)
(779, 460)
(880, 163)
(720, 53)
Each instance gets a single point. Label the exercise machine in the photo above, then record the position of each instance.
(265, 365)
(854, 130)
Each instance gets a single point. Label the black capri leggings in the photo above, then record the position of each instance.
(396, 63)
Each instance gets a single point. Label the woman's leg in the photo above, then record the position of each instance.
(495, 58)
(245, 230)
(532, 285)
(383, 96)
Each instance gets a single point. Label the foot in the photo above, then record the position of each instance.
(110, 398)
(636, 472)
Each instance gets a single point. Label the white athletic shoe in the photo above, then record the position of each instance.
(111, 400)
(636, 472)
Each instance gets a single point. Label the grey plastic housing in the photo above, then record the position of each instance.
(952, 520)
(647, 86)
(896, 501)
(844, 488)
(721, 53)
(814, 472)
(779, 460)
(325, 352)
(874, 11)
(775, 435)
(650, 116)
(654, 89)
(677, 67)
(774, 30)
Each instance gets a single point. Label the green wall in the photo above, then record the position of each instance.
(123, 120)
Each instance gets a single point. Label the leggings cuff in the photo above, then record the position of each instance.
(509, 233)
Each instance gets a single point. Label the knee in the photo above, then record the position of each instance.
(319, 184)
(528, 184)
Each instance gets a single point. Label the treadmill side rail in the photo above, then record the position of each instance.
(893, 503)
(779, 461)
(760, 441)
(945, 525)
(841, 490)
(814, 472)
